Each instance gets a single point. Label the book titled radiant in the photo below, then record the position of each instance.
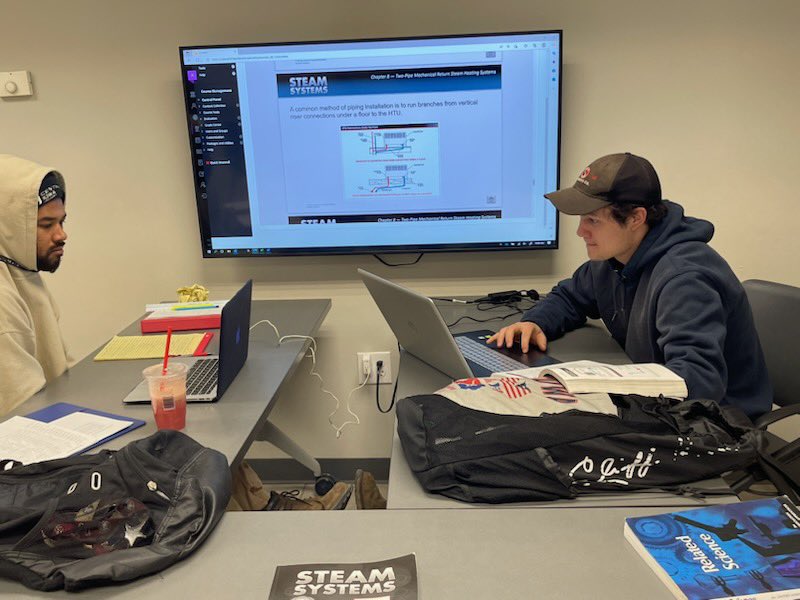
(586, 376)
(393, 579)
(741, 551)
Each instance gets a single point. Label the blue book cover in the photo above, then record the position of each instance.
(746, 550)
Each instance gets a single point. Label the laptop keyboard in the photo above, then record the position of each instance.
(486, 357)
(202, 377)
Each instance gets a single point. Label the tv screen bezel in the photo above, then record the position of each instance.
(202, 204)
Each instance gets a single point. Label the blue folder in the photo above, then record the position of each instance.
(61, 409)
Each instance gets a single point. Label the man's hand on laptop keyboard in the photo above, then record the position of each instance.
(527, 333)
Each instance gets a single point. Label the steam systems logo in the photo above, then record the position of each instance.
(308, 86)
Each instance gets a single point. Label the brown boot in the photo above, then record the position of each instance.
(368, 496)
(337, 497)
(290, 501)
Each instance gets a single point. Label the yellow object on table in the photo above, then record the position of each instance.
(193, 293)
(125, 347)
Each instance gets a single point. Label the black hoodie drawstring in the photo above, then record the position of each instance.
(14, 263)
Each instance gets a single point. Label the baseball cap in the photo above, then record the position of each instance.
(622, 178)
(52, 187)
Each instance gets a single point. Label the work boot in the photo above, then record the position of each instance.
(368, 496)
(335, 499)
(291, 501)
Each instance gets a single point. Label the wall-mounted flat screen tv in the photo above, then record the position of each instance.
(443, 143)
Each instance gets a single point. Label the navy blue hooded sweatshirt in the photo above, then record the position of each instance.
(677, 303)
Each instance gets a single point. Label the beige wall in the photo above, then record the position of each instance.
(708, 90)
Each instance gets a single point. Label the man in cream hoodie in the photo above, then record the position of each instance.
(32, 238)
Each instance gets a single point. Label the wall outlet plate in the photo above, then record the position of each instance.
(15, 84)
(369, 361)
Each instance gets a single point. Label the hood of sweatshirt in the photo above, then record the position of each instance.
(676, 228)
(31, 344)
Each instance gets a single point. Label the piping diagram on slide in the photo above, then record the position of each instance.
(391, 160)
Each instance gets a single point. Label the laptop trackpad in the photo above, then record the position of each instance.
(532, 358)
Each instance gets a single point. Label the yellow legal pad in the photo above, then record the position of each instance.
(124, 347)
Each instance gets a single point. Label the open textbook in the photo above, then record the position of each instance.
(586, 376)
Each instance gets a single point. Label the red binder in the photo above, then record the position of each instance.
(181, 323)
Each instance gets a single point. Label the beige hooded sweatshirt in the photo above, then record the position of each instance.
(32, 350)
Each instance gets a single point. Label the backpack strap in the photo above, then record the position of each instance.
(783, 480)
(9, 463)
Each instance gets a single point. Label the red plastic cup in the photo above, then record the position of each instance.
(168, 394)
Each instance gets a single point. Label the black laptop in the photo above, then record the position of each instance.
(210, 376)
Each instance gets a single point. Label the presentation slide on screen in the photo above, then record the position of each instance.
(445, 148)
(386, 142)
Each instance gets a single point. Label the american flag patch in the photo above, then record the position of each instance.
(466, 384)
(553, 389)
(512, 387)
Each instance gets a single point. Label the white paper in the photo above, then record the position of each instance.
(28, 440)
(649, 371)
(177, 314)
(96, 426)
(535, 372)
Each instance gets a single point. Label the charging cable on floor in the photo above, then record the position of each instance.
(312, 349)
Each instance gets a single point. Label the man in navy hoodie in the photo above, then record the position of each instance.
(663, 293)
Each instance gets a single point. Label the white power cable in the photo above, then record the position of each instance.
(268, 322)
(313, 353)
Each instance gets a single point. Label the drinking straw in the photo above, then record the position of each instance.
(166, 351)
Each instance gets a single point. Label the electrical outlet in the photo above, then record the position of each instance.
(368, 362)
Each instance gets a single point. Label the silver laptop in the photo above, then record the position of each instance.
(210, 376)
(421, 331)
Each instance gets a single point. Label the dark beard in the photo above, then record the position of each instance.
(48, 263)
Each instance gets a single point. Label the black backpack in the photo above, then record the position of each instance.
(112, 516)
(477, 456)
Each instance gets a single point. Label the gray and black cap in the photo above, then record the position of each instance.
(613, 179)
(52, 187)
